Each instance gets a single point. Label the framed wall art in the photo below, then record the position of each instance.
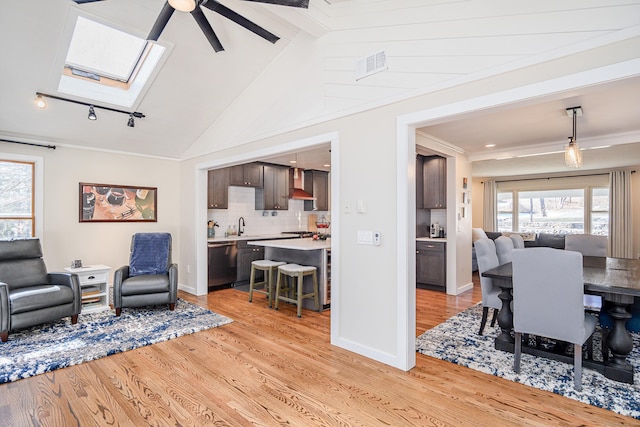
(116, 203)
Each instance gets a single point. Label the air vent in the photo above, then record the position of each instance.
(371, 64)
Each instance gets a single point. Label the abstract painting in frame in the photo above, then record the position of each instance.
(116, 203)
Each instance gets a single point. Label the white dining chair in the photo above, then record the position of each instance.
(518, 241)
(504, 249)
(548, 291)
(487, 259)
(586, 244)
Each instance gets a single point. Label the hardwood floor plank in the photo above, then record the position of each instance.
(271, 368)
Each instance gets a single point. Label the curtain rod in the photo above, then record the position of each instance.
(53, 147)
(552, 177)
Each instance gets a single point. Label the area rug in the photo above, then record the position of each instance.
(52, 346)
(457, 341)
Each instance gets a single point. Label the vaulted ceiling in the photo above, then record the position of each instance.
(200, 101)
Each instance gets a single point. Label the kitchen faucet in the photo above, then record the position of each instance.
(240, 229)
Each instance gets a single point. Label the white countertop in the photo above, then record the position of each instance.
(306, 244)
(431, 239)
(251, 237)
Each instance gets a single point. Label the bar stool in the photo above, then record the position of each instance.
(295, 271)
(265, 286)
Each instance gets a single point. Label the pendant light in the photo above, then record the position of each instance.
(572, 153)
(92, 113)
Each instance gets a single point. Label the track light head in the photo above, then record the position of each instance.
(92, 113)
(131, 123)
(40, 102)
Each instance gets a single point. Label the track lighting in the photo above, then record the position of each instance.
(41, 104)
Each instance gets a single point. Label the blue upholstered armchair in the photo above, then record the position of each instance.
(150, 278)
(29, 295)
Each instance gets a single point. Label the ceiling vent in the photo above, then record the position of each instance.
(371, 64)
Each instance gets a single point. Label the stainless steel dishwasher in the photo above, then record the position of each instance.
(223, 259)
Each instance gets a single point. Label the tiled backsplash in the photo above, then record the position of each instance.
(439, 216)
(242, 204)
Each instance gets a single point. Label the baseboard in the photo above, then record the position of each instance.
(464, 288)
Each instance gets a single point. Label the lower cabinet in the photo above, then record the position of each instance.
(246, 255)
(431, 265)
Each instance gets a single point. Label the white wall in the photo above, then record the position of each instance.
(65, 238)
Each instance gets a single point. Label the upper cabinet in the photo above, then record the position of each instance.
(247, 175)
(317, 184)
(434, 183)
(274, 194)
(218, 189)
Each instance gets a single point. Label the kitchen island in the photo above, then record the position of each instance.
(307, 251)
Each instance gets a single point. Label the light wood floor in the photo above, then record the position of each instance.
(270, 368)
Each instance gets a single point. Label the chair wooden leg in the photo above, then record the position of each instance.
(74, 319)
(172, 306)
(517, 352)
(252, 282)
(577, 367)
(278, 286)
(495, 317)
(118, 311)
(485, 313)
(299, 295)
(4, 336)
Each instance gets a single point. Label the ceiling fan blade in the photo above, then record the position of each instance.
(161, 22)
(206, 29)
(291, 3)
(241, 20)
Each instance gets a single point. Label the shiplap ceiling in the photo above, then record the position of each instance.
(200, 101)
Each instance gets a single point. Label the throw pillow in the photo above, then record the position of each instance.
(477, 234)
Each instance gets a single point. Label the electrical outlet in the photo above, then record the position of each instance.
(376, 238)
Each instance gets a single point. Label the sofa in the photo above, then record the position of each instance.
(548, 240)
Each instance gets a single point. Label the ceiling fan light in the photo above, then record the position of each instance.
(183, 5)
(40, 102)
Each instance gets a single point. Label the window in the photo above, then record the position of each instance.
(106, 64)
(17, 218)
(561, 205)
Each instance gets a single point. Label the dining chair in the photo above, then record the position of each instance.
(548, 291)
(504, 249)
(518, 241)
(586, 244)
(487, 259)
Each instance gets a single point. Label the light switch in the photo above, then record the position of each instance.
(365, 237)
(360, 207)
(347, 207)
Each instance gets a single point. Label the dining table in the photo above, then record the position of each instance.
(617, 280)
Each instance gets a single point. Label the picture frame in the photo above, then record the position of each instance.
(117, 203)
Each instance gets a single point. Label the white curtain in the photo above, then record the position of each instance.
(489, 202)
(620, 224)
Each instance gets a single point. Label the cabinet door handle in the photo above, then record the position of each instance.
(91, 277)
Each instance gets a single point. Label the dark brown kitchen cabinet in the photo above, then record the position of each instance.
(431, 265)
(317, 184)
(218, 189)
(247, 175)
(434, 172)
(246, 255)
(274, 194)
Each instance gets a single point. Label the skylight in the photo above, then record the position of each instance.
(106, 64)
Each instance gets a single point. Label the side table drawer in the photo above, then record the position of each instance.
(90, 278)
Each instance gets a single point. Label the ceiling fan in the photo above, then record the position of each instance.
(195, 8)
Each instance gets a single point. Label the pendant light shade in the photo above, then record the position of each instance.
(92, 113)
(572, 153)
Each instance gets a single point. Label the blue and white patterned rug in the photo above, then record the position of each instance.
(52, 346)
(457, 341)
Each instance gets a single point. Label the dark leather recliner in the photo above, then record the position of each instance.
(150, 278)
(28, 294)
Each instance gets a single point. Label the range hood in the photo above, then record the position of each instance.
(296, 190)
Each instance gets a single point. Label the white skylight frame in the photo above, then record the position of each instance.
(125, 95)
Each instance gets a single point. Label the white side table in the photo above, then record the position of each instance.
(94, 286)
